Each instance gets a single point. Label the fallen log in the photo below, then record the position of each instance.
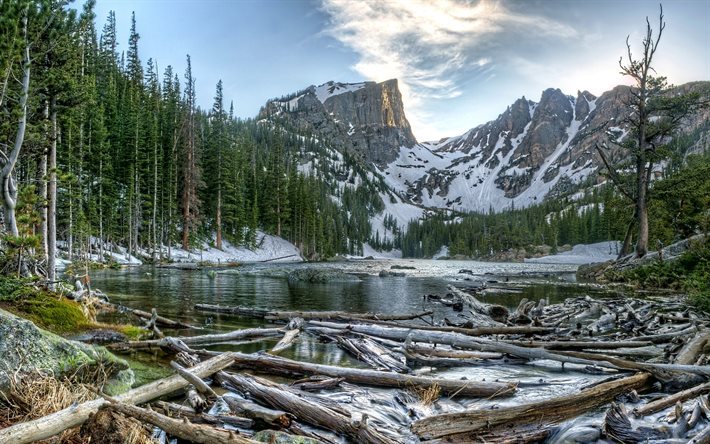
(667, 401)
(489, 345)
(249, 333)
(254, 411)
(159, 320)
(693, 349)
(462, 341)
(475, 331)
(497, 313)
(373, 354)
(200, 385)
(551, 411)
(581, 345)
(273, 315)
(287, 367)
(306, 409)
(55, 423)
(182, 429)
(293, 329)
(656, 368)
(170, 408)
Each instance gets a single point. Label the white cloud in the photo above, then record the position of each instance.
(431, 46)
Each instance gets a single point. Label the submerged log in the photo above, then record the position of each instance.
(282, 366)
(273, 315)
(55, 423)
(551, 411)
(667, 401)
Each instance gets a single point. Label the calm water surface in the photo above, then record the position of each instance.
(175, 292)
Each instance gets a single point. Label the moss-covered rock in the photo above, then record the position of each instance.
(25, 348)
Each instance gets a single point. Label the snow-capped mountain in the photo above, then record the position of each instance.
(532, 150)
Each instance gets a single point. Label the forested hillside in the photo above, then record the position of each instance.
(678, 209)
(119, 146)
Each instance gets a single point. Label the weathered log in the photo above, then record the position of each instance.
(667, 401)
(236, 335)
(316, 383)
(159, 320)
(181, 428)
(196, 400)
(306, 409)
(255, 411)
(656, 368)
(581, 345)
(293, 329)
(75, 415)
(702, 437)
(617, 426)
(373, 354)
(282, 366)
(196, 381)
(172, 409)
(483, 344)
(274, 315)
(497, 313)
(463, 341)
(693, 348)
(475, 331)
(551, 411)
(450, 353)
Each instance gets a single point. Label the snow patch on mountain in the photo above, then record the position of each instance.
(329, 89)
(583, 254)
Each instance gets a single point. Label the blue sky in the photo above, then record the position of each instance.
(459, 62)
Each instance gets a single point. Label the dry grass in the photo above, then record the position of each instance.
(38, 395)
(428, 396)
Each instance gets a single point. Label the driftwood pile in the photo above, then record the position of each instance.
(648, 359)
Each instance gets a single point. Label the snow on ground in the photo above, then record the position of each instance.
(269, 248)
(368, 251)
(443, 252)
(583, 254)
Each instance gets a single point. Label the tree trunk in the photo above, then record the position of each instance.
(218, 219)
(52, 198)
(9, 191)
(42, 192)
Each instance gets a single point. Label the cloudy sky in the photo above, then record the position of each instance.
(459, 62)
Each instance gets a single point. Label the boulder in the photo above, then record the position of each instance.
(25, 348)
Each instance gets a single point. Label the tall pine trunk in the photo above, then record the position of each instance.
(52, 198)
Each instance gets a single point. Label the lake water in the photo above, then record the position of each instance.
(175, 292)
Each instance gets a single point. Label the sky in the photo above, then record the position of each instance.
(459, 63)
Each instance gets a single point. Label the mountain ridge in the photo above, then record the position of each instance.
(530, 151)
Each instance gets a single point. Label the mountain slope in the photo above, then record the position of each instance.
(531, 151)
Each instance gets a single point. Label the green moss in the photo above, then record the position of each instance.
(51, 313)
(131, 331)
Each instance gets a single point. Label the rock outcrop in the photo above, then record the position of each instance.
(25, 348)
(366, 119)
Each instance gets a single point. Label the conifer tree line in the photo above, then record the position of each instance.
(114, 151)
(678, 208)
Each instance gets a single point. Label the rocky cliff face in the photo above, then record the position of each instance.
(366, 118)
(532, 150)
